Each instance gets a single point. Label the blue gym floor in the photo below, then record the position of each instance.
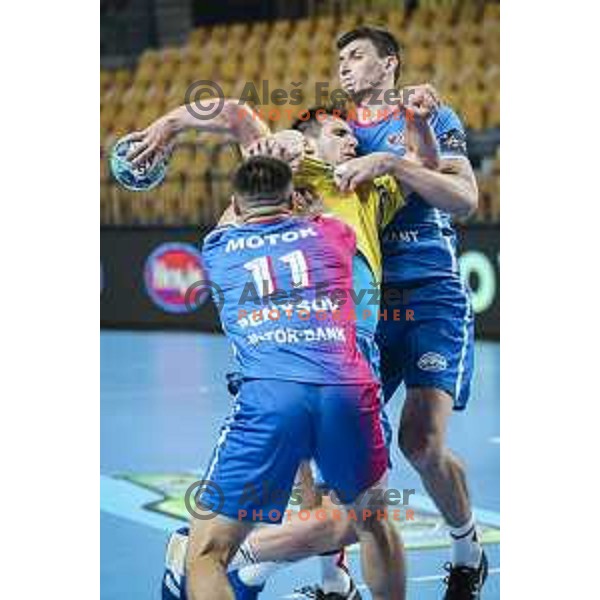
(162, 401)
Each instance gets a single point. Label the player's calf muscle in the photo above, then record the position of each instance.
(423, 424)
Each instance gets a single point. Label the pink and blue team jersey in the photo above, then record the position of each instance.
(305, 391)
(285, 293)
(420, 242)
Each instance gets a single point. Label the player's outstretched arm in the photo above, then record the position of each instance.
(235, 120)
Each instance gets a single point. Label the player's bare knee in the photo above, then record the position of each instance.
(212, 543)
(207, 551)
(423, 449)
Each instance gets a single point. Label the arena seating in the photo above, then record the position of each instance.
(455, 47)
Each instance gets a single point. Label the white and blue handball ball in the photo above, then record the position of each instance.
(136, 178)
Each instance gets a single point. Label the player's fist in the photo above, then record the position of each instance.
(420, 101)
(352, 173)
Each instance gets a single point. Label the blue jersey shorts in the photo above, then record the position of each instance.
(431, 343)
(277, 424)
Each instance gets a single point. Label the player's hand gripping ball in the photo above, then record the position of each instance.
(136, 178)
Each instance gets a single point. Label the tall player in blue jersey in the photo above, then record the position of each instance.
(433, 354)
(287, 409)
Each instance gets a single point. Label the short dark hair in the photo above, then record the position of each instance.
(385, 43)
(312, 124)
(262, 181)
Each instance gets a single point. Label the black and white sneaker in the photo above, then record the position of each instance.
(317, 593)
(465, 583)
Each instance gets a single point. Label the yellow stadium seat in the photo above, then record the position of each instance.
(466, 32)
(419, 57)
(493, 110)
(414, 35)
(201, 161)
(198, 201)
(182, 161)
(170, 56)
(470, 11)
(229, 69)
(396, 19)
(106, 79)
(219, 32)
(199, 36)
(104, 170)
(123, 77)
(348, 21)
(237, 32)
(491, 11)
(326, 26)
(445, 59)
(470, 54)
(423, 15)
(304, 26)
(472, 109)
(281, 28)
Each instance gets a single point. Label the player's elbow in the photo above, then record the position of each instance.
(469, 205)
(467, 202)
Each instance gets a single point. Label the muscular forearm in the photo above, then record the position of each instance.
(452, 191)
(234, 119)
(421, 142)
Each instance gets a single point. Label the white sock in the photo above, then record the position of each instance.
(466, 549)
(334, 574)
(256, 575)
(243, 557)
(250, 571)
